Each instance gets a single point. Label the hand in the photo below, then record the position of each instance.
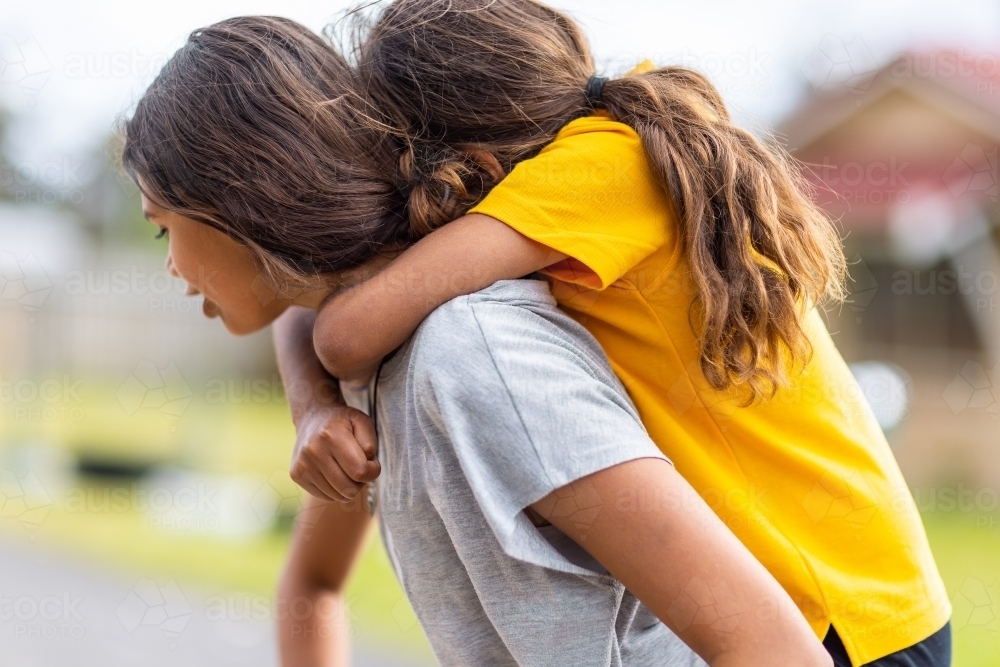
(334, 453)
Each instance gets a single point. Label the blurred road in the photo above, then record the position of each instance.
(55, 612)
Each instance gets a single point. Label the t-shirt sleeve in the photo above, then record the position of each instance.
(592, 195)
(526, 409)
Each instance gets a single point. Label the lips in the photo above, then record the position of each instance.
(210, 309)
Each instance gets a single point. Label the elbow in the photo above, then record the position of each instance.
(804, 649)
(340, 352)
(344, 362)
(785, 647)
(334, 358)
(298, 583)
(815, 657)
(808, 651)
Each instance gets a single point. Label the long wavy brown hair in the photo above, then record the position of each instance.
(504, 76)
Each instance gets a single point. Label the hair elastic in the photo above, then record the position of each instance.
(594, 91)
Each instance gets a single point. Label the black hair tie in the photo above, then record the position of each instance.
(595, 91)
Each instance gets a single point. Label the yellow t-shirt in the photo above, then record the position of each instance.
(806, 479)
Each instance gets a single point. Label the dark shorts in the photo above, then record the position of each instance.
(935, 651)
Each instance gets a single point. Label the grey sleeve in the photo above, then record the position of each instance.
(527, 401)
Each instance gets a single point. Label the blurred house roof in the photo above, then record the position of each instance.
(924, 127)
(906, 158)
(962, 86)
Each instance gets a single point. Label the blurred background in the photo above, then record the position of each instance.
(145, 505)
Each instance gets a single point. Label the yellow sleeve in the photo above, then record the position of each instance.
(590, 194)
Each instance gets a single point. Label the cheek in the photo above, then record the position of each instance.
(217, 274)
(226, 275)
(192, 268)
(245, 311)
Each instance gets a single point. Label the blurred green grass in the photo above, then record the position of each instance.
(967, 548)
(227, 438)
(256, 438)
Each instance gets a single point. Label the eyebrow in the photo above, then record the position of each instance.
(148, 215)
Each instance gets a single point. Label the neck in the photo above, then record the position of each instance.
(324, 286)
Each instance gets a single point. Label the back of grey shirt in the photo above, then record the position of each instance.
(496, 401)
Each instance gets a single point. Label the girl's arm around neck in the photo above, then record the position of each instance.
(335, 446)
(362, 324)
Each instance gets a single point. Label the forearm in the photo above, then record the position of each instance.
(365, 322)
(311, 613)
(308, 387)
(312, 626)
(335, 445)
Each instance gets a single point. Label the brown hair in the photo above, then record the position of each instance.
(506, 75)
(250, 128)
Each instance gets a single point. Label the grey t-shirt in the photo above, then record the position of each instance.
(496, 401)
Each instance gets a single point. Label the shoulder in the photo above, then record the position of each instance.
(508, 358)
(594, 151)
(465, 325)
(595, 132)
(511, 324)
(591, 194)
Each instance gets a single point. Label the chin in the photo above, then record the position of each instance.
(241, 328)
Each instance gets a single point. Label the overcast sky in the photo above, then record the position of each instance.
(69, 67)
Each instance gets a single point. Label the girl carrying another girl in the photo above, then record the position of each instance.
(254, 157)
(690, 251)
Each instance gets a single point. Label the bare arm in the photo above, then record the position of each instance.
(682, 562)
(335, 444)
(328, 536)
(312, 620)
(362, 324)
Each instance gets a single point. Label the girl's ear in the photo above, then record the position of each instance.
(484, 159)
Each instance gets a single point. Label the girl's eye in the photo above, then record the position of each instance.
(163, 232)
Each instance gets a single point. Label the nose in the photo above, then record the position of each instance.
(168, 264)
(172, 270)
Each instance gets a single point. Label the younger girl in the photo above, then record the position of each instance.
(690, 251)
